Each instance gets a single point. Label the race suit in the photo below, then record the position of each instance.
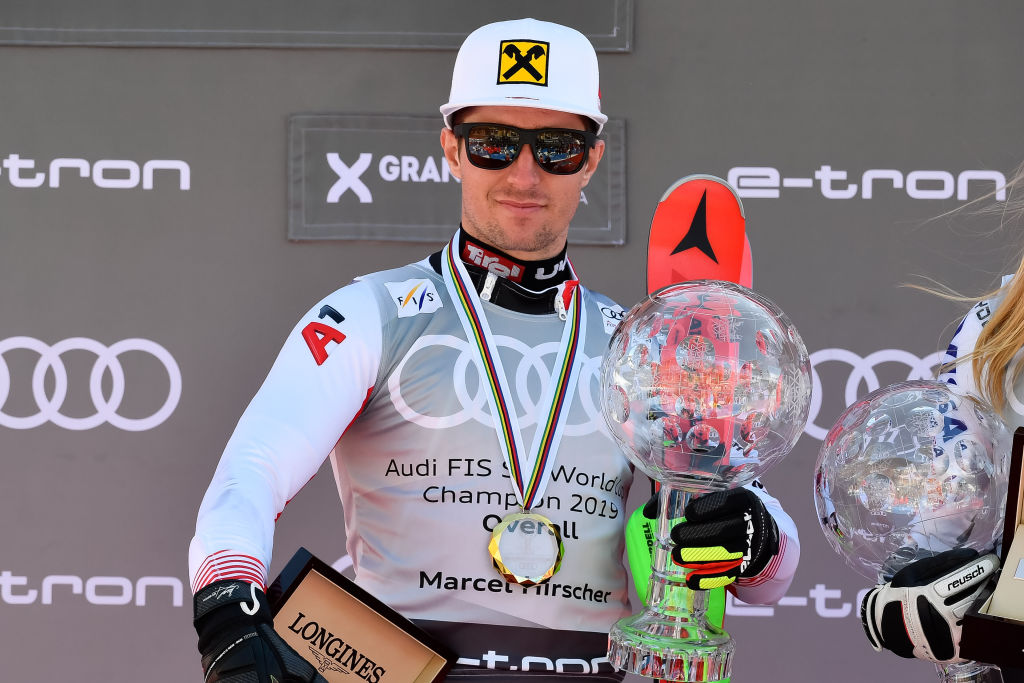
(964, 340)
(380, 375)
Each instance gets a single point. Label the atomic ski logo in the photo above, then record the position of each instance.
(697, 236)
(698, 233)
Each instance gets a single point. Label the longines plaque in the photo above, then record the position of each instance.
(344, 631)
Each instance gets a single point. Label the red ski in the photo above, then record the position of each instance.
(698, 233)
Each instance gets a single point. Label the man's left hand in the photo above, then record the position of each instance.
(726, 535)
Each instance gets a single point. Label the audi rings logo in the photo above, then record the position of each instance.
(862, 369)
(472, 399)
(107, 361)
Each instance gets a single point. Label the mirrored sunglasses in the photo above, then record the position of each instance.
(494, 146)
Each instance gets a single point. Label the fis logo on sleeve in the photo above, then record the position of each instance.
(413, 297)
(523, 61)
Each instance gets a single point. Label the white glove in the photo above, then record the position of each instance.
(919, 613)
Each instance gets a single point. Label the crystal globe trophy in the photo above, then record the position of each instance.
(911, 470)
(704, 386)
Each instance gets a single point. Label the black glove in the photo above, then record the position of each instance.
(919, 613)
(726, 535)
(237, 638)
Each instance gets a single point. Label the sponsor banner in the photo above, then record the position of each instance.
(827, 603)
(441, 24)
(379, 177)
(848, 376)
(516, 648)
(66, 589)
(862, 378)
(108, 174)
(86, 395)
(768, 182)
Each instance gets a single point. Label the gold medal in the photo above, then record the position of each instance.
(527, 548)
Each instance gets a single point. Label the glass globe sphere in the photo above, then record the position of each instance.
(910, 470)
(705, 385)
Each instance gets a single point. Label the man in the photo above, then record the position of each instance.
(406, 377)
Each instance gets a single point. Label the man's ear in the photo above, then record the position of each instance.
(450, 147)
(592, 160)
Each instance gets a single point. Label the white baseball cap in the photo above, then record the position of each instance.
(526, 63)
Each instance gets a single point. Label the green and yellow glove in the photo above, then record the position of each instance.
(726, 535)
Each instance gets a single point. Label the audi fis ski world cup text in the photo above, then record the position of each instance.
(766, 182)
(109, 174)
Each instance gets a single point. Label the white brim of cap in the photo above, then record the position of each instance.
(447, 110)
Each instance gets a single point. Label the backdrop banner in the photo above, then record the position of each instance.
(385, 178)
(439, 24)
(169, 213)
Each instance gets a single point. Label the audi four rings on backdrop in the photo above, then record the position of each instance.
(107, 360)
(862, 369)
(473, 399)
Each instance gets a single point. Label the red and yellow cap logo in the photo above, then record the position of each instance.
(523, 61)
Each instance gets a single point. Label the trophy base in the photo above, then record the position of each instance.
(672, 648)
(963, 672)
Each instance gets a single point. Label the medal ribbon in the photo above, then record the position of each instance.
(531, 469)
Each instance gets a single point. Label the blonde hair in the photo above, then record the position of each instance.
(999, 342)
(1003, 336)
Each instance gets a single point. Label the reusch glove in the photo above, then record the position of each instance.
(726, 535)
(919, 613)
(237, 639)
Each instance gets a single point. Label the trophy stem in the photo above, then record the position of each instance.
(672, 639)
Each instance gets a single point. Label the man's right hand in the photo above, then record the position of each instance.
(237, 639)
(726, 535)
(919, 613)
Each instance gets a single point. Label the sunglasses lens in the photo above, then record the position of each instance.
(492, 147)
(560, 151)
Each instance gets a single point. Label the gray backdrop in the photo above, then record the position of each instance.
(195, 278)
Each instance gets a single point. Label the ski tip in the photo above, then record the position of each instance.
(698, 233)
(695, 178)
